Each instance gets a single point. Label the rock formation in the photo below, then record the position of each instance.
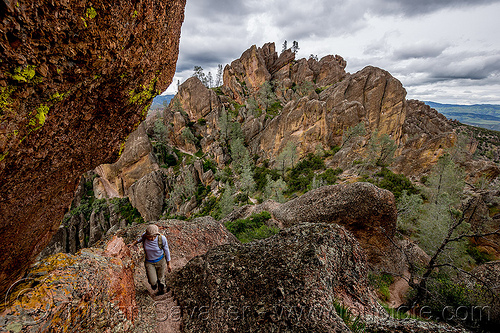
(75, 293)
(286, 283)
(367, 211)
(103, 287)
(318, 101)
(75, 79)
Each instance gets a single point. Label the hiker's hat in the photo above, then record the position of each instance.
(152, 230)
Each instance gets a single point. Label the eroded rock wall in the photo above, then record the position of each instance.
(76, 77)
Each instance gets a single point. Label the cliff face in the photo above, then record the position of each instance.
(75, 79)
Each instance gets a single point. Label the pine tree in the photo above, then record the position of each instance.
(274, 189)
(286, 159)
(381, 149)
(285, 46)
(227, 201)
(210, 80)
(218, 76)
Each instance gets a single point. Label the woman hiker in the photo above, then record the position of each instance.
(156, 258)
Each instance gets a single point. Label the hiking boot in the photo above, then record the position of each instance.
(161, 288)
(153, 286)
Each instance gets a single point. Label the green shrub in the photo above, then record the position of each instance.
(208, 208)
(201, 192)
(209, 164)
(170, 160)
(396, 183)
(479, 256)
(260, 174)
(199, 153)
(274, 109)
(127, 211)
(260, 233)
(330, 175)
(161, 151)
(218, 90)
(443, 291)
(252, 228)
(332, 152)
(301, 176)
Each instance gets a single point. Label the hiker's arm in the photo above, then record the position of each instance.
(137, 241)
(134, 243)
(166, 250)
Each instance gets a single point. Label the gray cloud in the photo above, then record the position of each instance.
(418, 50)
(219, 31)
(419, 7)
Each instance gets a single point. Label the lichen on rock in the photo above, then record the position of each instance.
(66, 72)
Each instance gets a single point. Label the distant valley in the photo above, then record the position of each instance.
(480, 115)
(161, 101)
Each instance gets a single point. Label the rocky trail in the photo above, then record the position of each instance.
(162, 311)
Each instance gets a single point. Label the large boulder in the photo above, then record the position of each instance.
(75, 79)
(148, 195)
(286, 283)
(75, 293)
(367, 211)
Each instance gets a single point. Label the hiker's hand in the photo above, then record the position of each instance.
(168, 267)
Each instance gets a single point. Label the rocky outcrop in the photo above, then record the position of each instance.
(86, 228)
(285, 283)
(367, 211)
(103, 287)
(148, 194)
(426, 136)
(75, 79)
(137, 160)
(86, 292)
(308, 119)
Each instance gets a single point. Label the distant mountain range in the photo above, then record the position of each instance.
(161, 101)
(480, 115)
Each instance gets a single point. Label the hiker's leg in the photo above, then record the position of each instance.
(151, 273)
(160, 271)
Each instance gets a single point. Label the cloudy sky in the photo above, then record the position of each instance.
(446, 51)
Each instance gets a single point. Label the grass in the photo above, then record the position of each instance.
(354, 323)
(381, 283)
